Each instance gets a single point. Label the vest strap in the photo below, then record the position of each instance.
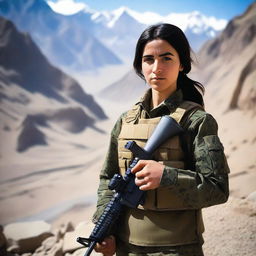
(163, 220)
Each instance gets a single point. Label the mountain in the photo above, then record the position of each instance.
(221, 54)
(115, 30)
(218, 52)
(119, 31)
(66, 40)
(227, 67)
(90, 39)
(35, 95)
(126, 90)
(197, 26)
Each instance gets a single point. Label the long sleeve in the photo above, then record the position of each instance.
(110, 167)
(206, 182)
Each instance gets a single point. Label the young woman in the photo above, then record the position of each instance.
(189, 172)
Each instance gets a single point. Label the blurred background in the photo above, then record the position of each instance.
(66, 75)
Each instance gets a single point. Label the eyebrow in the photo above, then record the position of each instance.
(161, 55)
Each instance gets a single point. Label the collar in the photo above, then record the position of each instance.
(170, 104)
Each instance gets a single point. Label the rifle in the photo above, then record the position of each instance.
(127, 193)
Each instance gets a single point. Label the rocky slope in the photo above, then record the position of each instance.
(227, 67)
(127, 90)
(230, 231)
(231, 58)
(67, 41)
(35, 94)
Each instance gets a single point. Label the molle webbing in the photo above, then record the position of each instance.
(163, 219)
(140, 130)
(169, 153)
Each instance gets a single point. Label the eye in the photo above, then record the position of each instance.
(148, 59)
(167, 58)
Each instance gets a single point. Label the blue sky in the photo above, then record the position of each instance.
(225, 9)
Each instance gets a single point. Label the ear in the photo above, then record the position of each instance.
(181, 68)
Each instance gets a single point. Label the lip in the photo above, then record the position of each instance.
(157, 78)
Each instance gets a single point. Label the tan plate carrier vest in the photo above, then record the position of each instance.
(163, 219)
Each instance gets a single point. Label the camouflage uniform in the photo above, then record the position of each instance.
(202, 183)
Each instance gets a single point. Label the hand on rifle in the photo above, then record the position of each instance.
(148, 174)
(107, 247)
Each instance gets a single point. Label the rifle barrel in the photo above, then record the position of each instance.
(90, 248)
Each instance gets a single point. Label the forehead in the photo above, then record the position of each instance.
(158, 46)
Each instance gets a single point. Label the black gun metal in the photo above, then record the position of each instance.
(127, 193)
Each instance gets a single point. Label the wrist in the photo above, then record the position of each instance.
(169, 176)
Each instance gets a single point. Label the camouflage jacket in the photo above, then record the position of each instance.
(204, 181)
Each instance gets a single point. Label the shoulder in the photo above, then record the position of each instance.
(199, 117)
(131, 115)
(118, 124)
(128, 116)
(203, 123)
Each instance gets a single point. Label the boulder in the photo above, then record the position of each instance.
(252, 196)
(3, 241)
(70, 244)
(25, 237)
(50, 249)
(66, 227)
(57, 249)
(81, 252)
(46, 245)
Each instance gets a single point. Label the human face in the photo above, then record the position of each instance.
(161, 66)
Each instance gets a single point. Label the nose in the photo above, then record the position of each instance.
(157, 67)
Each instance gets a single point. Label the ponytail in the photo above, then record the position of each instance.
(192, 90)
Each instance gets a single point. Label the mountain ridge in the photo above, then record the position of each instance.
(227, 67)
(36, 95)
(222, 50)
(90, 39)
(52, 32)
(195, 25)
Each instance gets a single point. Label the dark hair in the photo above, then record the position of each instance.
(177, 39)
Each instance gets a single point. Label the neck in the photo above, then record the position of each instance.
(159, 97)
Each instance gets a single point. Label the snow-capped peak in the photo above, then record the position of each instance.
(195, 20)
(121, 10)
(117, 14)
(101, 17)
(147, 18)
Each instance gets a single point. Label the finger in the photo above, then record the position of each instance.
(139, 166)
(141, 174)
(140, 182)
(145, 187)
(109, 240)
(98, 247)
(102, 245)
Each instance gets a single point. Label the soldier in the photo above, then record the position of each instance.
(189, 172)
